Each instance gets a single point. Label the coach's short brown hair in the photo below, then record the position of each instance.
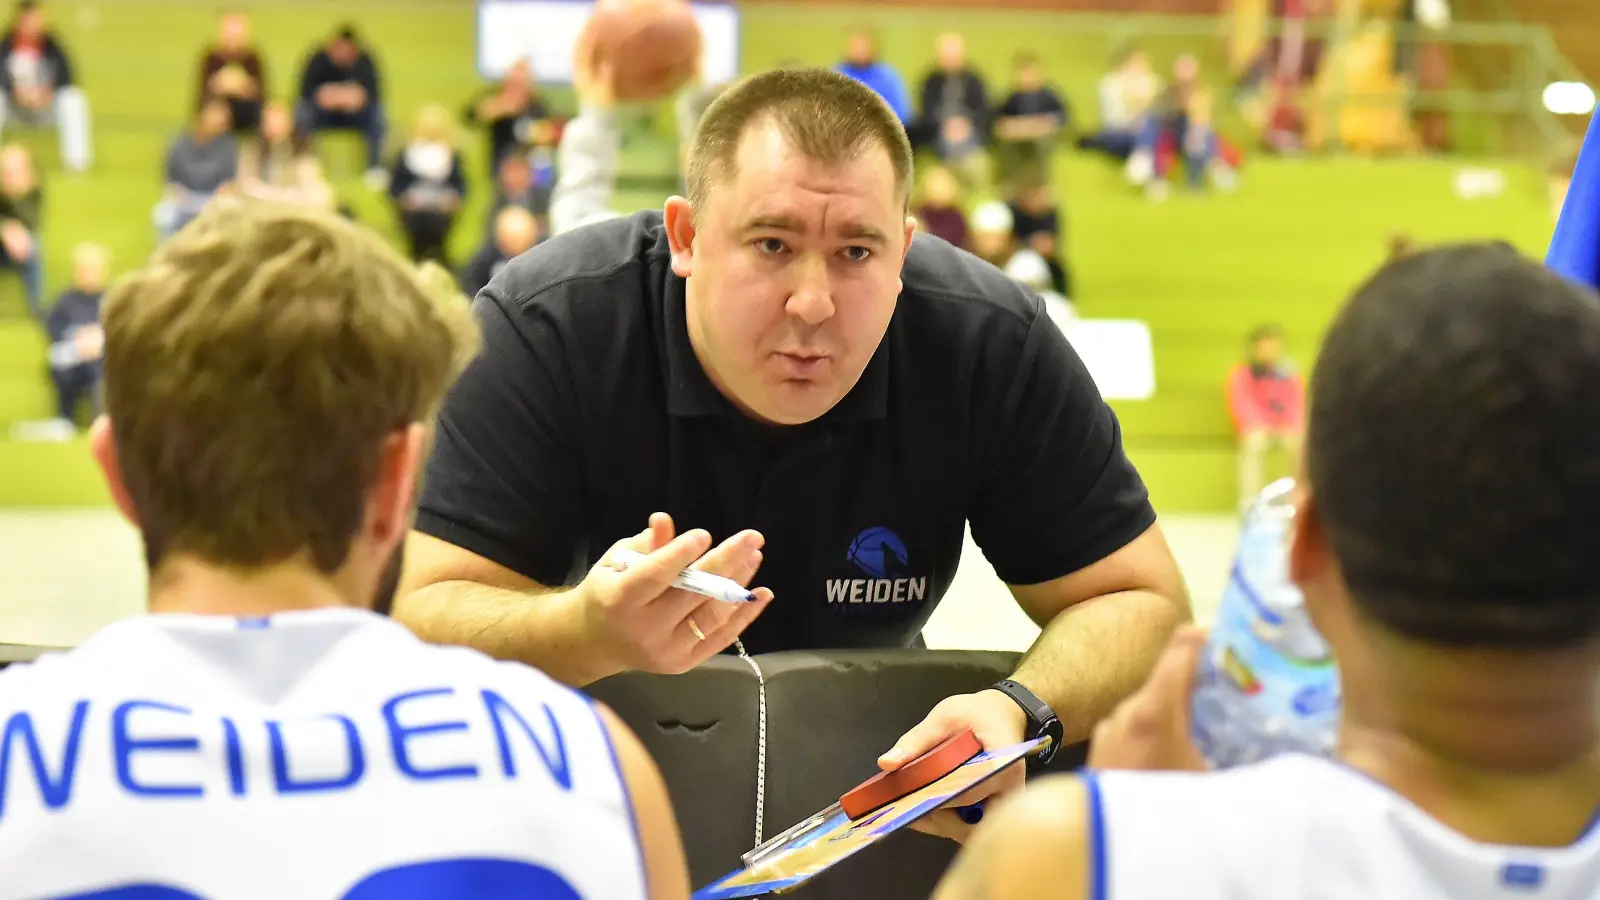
(824, 115)
(254, 369)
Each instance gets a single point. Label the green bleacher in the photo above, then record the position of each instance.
(1201, 270)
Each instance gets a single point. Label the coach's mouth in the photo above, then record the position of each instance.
(801, 365)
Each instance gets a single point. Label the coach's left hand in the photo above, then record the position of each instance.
(995, 719)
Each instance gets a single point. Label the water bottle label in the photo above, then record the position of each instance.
(1317, 700)
(1267, 684)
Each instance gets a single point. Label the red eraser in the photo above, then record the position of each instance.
(886, 787)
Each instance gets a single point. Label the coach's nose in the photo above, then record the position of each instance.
(811, 298)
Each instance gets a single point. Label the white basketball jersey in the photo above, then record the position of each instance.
(320, 754)
(1298, 827)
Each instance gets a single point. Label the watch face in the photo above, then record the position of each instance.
(1055, 732)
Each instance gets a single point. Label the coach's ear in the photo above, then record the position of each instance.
(104, 449)
(678, 217)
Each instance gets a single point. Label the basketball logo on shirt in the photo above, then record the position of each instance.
(879, 554)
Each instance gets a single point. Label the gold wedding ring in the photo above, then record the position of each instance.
(696, 629)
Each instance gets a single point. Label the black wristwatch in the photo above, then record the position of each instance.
(1042, 721)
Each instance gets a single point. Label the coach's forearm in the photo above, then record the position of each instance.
(1095, 653)
(546, 629)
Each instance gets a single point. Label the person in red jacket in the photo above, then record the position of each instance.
(1267, 403)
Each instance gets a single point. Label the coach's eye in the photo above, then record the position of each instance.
(857, 254)
(770, 246)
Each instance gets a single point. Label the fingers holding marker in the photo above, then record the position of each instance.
(650, 574)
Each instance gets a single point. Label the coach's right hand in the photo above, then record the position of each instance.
(640, 621)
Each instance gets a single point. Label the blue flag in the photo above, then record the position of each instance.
(1575, 249)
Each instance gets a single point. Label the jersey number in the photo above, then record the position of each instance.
(480, 879)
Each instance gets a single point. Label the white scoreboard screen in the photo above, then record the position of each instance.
(545, 31)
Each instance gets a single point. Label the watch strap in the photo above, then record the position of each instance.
(1039, 712)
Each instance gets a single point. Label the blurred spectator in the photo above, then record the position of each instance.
(1267, 403)
(1030, 269)
(1282, 120)
(993, 237)
(201, 162)
(514, 115)
(586, 159)
(38, 85)
(513, 233)
(1293, 54)
(1423, 57)
(278, 164)
(1031, 119)
(1036, 224)
(861, 62)
(989, 233)
(955, 109)
(21, 211)
(1269, 93)
(689, 107)
(340, 91)
(428, 184)
(1126, 94)
(940, 213)
(76, 340)
(232, 70)
(1180, 128)
(515, 186)
(994, 240)
(591, 143)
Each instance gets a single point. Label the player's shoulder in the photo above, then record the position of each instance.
(28, 678)
(1285, 802)
(1280, 777)
(615, 260)
(946, 283)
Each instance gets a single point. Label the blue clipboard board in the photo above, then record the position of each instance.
(830, 836)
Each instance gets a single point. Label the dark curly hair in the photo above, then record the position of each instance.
(1454, 449)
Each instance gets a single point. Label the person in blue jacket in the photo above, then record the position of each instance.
(861, 63)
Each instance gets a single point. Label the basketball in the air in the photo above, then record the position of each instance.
(653, 46)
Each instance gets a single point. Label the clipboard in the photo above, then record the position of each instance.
(831, 836)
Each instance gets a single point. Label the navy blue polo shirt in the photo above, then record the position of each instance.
(587, 411)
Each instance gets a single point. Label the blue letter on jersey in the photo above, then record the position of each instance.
(480, 879)
(556, 763)
(235, 754)
(56, 792)
(123, 746)
(399, 734)
(280, 761)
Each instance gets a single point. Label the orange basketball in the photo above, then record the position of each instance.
(653, 45)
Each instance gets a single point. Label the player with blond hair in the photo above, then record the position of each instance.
(271, 379)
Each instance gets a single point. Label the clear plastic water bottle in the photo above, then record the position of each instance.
(1267, 683)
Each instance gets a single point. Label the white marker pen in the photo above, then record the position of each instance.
(695, 581)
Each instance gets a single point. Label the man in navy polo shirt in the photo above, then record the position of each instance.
(775, 361)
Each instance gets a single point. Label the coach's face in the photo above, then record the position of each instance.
(793, 272)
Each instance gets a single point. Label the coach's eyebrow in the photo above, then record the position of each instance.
(776, 223)
(859, 232)
(851, 232)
